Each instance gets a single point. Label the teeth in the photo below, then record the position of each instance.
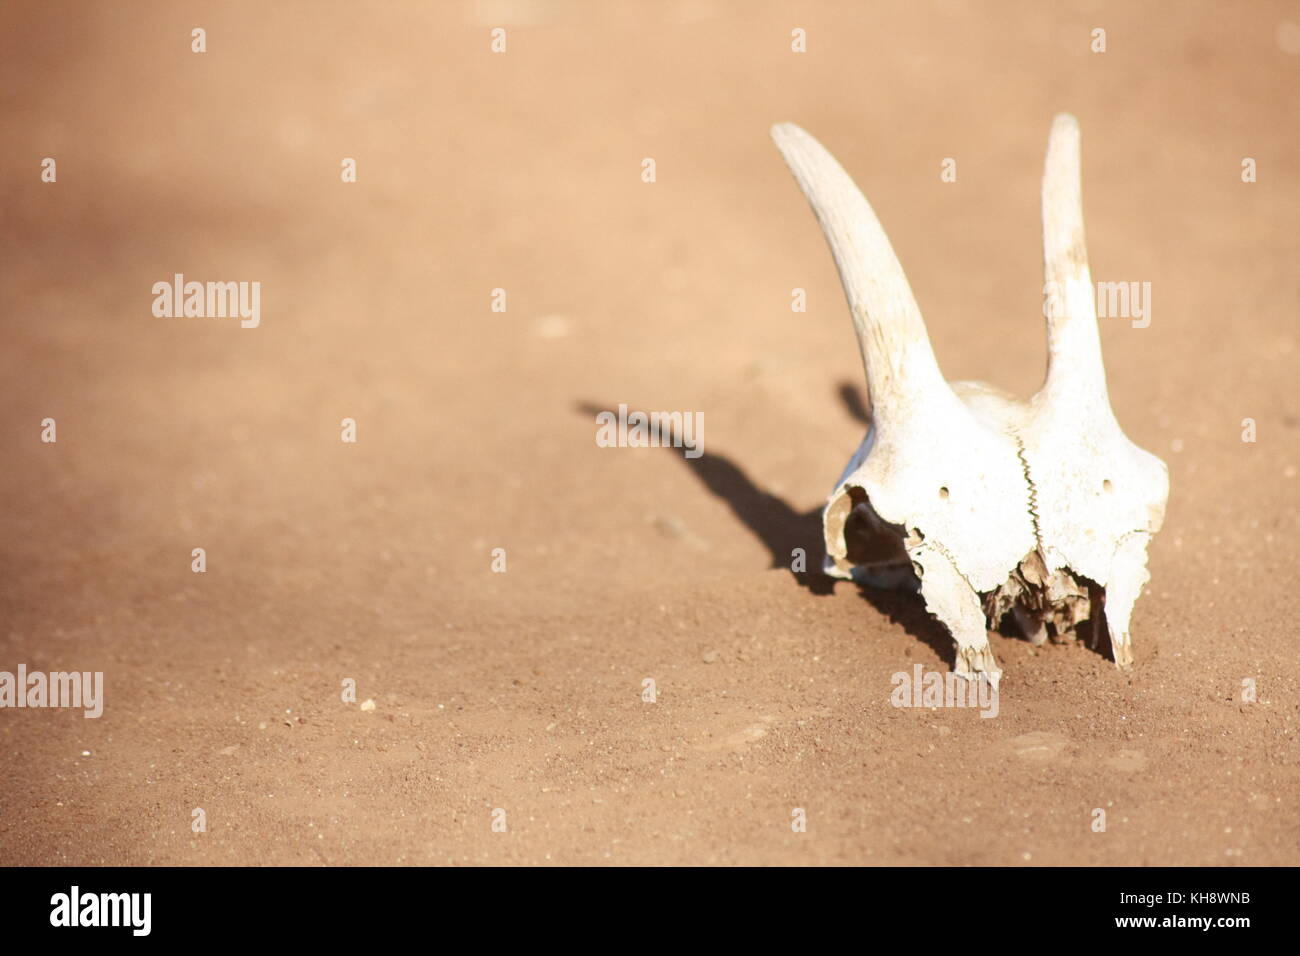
(999, 504)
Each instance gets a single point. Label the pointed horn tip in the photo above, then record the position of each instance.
(1065, 124)
(782, 133)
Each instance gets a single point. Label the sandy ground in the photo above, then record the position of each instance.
(373, 561)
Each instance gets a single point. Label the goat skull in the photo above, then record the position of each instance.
(1040, 508)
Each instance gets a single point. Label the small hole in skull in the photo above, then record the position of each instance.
(943, 492)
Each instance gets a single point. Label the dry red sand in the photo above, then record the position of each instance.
(522, 690)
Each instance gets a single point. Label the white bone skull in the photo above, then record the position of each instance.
(1042, 508)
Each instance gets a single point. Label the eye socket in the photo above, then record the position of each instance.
(1107, 485)
(943, 492)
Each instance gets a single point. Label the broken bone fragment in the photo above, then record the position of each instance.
(989, 504)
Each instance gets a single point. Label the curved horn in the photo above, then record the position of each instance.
(891, 334)
(1074, 362)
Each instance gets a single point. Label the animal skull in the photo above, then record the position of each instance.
(1042, 509)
